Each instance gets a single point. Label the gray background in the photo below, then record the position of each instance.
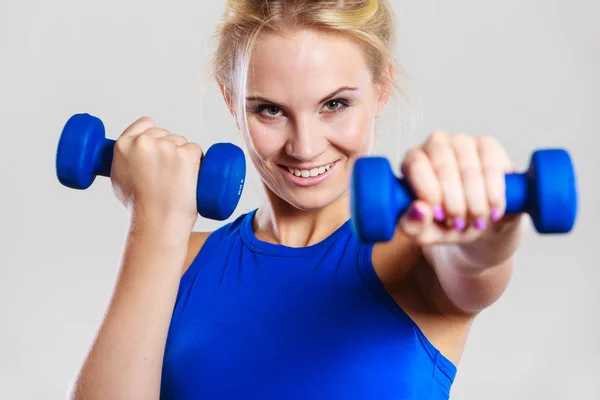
(524, 70)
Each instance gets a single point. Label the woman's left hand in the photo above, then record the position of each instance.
(459, 183)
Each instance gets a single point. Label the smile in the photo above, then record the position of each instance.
(306, 177)
(307, 173)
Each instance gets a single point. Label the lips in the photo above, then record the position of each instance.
(305, 177)
(312, 172)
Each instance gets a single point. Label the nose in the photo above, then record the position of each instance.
(306, 142)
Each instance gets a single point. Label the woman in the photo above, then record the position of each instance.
(284, 302)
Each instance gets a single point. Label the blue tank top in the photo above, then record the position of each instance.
(257, 320)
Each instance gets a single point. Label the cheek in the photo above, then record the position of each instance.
(267, 140)
(354, 131)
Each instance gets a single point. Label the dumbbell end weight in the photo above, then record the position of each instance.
(547, 192)
(551, 198)
(83, 152)
(221, 181)
(377, 199)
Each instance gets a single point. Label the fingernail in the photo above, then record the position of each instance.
(459, 224)
(480, 224)
(416, 213)
(438, 213)
(495, 215)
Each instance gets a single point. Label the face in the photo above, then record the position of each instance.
(311, 106)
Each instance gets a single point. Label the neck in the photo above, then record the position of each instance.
(277, 221)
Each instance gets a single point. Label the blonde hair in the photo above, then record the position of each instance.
(370, 23)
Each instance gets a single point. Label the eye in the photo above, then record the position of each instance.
(336, 105)
(267, 110)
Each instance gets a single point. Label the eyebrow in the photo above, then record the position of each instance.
(330, 95)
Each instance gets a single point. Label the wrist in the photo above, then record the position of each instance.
(159, 230)
(496, 246)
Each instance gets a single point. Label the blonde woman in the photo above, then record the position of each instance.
(285, 302)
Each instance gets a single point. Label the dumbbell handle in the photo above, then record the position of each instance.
(104, 157)
(516, 193)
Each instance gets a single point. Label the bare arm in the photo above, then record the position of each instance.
(471, 277)
(125, 360)
(154, 174)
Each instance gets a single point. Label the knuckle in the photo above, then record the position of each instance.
(471, 175)
(146, 120)
(121, 145)
(443, 166)
(489, 168)
(156, 131)
(438, 136)
(143, 141)
(488, 143)
(165, 146)
(415, 159)
(413, 153)
(416, 169)
(463, 140)
(192, 150)
(471, 172)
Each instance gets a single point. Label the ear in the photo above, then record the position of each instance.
(385, 86)
(228, 101)
(227, 97)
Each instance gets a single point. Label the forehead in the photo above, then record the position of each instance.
(305, 61)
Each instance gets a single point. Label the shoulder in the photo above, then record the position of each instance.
(197, 240)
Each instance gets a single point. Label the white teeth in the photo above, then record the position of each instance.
(305, 173)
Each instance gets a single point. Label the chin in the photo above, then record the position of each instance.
(313, 201)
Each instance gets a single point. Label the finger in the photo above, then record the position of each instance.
(148, 137)
(442, 158)
(416, 220)
(194, 151)
(495, 164)
(141, 125)
(473, 182)
(157, 133)
(419, 173)
(175, 139)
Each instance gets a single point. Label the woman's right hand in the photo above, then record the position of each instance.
(154, 174)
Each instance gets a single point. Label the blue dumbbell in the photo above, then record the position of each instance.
(546, 191)
(84, 153)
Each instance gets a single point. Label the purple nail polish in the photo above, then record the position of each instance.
(416, 213)
(495, 215)
(480, 224)
(438, 213)
(459, 224)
